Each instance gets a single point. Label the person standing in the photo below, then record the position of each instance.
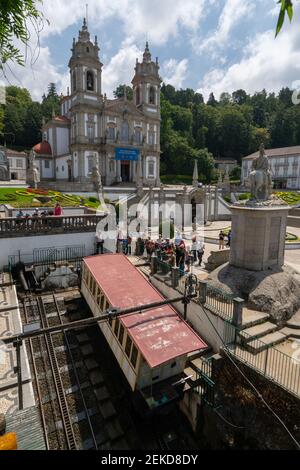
(200, 251)
(194, 248)
(58, 209)
(221, 240)
(228, 239)
(99, 243)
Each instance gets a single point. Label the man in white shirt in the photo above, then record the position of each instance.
(99, 243)
(200, 250)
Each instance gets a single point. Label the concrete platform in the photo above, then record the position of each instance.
(10, 324)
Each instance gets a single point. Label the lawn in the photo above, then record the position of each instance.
(24, 198)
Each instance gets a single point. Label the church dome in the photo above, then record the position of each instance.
(43, 148)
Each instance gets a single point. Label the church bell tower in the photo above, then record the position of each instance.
(86, 101)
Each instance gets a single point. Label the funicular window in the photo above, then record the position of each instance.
(90, 282)
(128, 346)
(98, 295)
(121, 334)
(116, 327)
(134, 355)
(103, 302)
(94, 289)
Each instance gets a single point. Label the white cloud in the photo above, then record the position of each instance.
(157, 19)
(36, 77)
(266, 63)
(174, 72)
(234, 11)
(120, 68)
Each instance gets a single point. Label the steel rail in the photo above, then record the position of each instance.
(38, 389)
(62, 402)
(76, 374)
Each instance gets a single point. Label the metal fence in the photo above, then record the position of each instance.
(269, 361)
(163, 267)
(206, 388)
(219, 302)
(46, 257)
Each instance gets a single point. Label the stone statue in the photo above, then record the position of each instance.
(96, 177)
(4, 166)
(33, 174)
(260, 177)
(36, 176)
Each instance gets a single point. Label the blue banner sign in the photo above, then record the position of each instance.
(127, 154)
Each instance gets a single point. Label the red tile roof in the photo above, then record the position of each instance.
(61, 119)
(278, 152)
(43, 148)
(160, 334)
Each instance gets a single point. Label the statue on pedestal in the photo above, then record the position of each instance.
(33, 174)
(260, 177)
(4, 166)
(96, 177)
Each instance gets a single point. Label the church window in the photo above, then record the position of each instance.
(87, 49)
(138, 95)
(151, 169)
(151, 137)
(74, 80)
(63, 168)
(91, 132)
(137, 136)
(125, 132)
(152, 95)
(90, 164)
(111, 133)
(112, 166)
(89, 81)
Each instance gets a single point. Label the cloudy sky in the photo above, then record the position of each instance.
(207, 45)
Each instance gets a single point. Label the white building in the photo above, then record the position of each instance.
(285, 167)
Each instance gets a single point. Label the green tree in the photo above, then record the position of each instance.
(258, 135)
(239, 97)
(119, 92)
(234, 133)
(212, 100)
(51, 102)
(15, 15)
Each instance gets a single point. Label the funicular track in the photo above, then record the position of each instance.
(44, 347)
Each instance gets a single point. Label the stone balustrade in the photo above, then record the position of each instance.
(20, 227)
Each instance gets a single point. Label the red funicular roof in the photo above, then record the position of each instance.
(160, 333)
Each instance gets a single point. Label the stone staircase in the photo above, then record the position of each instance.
(260, 333)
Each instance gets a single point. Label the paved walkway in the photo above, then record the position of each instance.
(10, 323)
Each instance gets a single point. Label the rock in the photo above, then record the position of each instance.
(2, 424)
(276, 292)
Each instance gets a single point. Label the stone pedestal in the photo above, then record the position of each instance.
(258, 237)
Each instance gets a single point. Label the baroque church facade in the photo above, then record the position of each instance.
(121, 135)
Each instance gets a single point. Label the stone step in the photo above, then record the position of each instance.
(253, 317)
(257, 331)
(258, 345)
(291, 332)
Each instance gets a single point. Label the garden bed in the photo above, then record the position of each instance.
(43, 198)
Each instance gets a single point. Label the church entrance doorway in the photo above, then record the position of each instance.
(125, 171)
